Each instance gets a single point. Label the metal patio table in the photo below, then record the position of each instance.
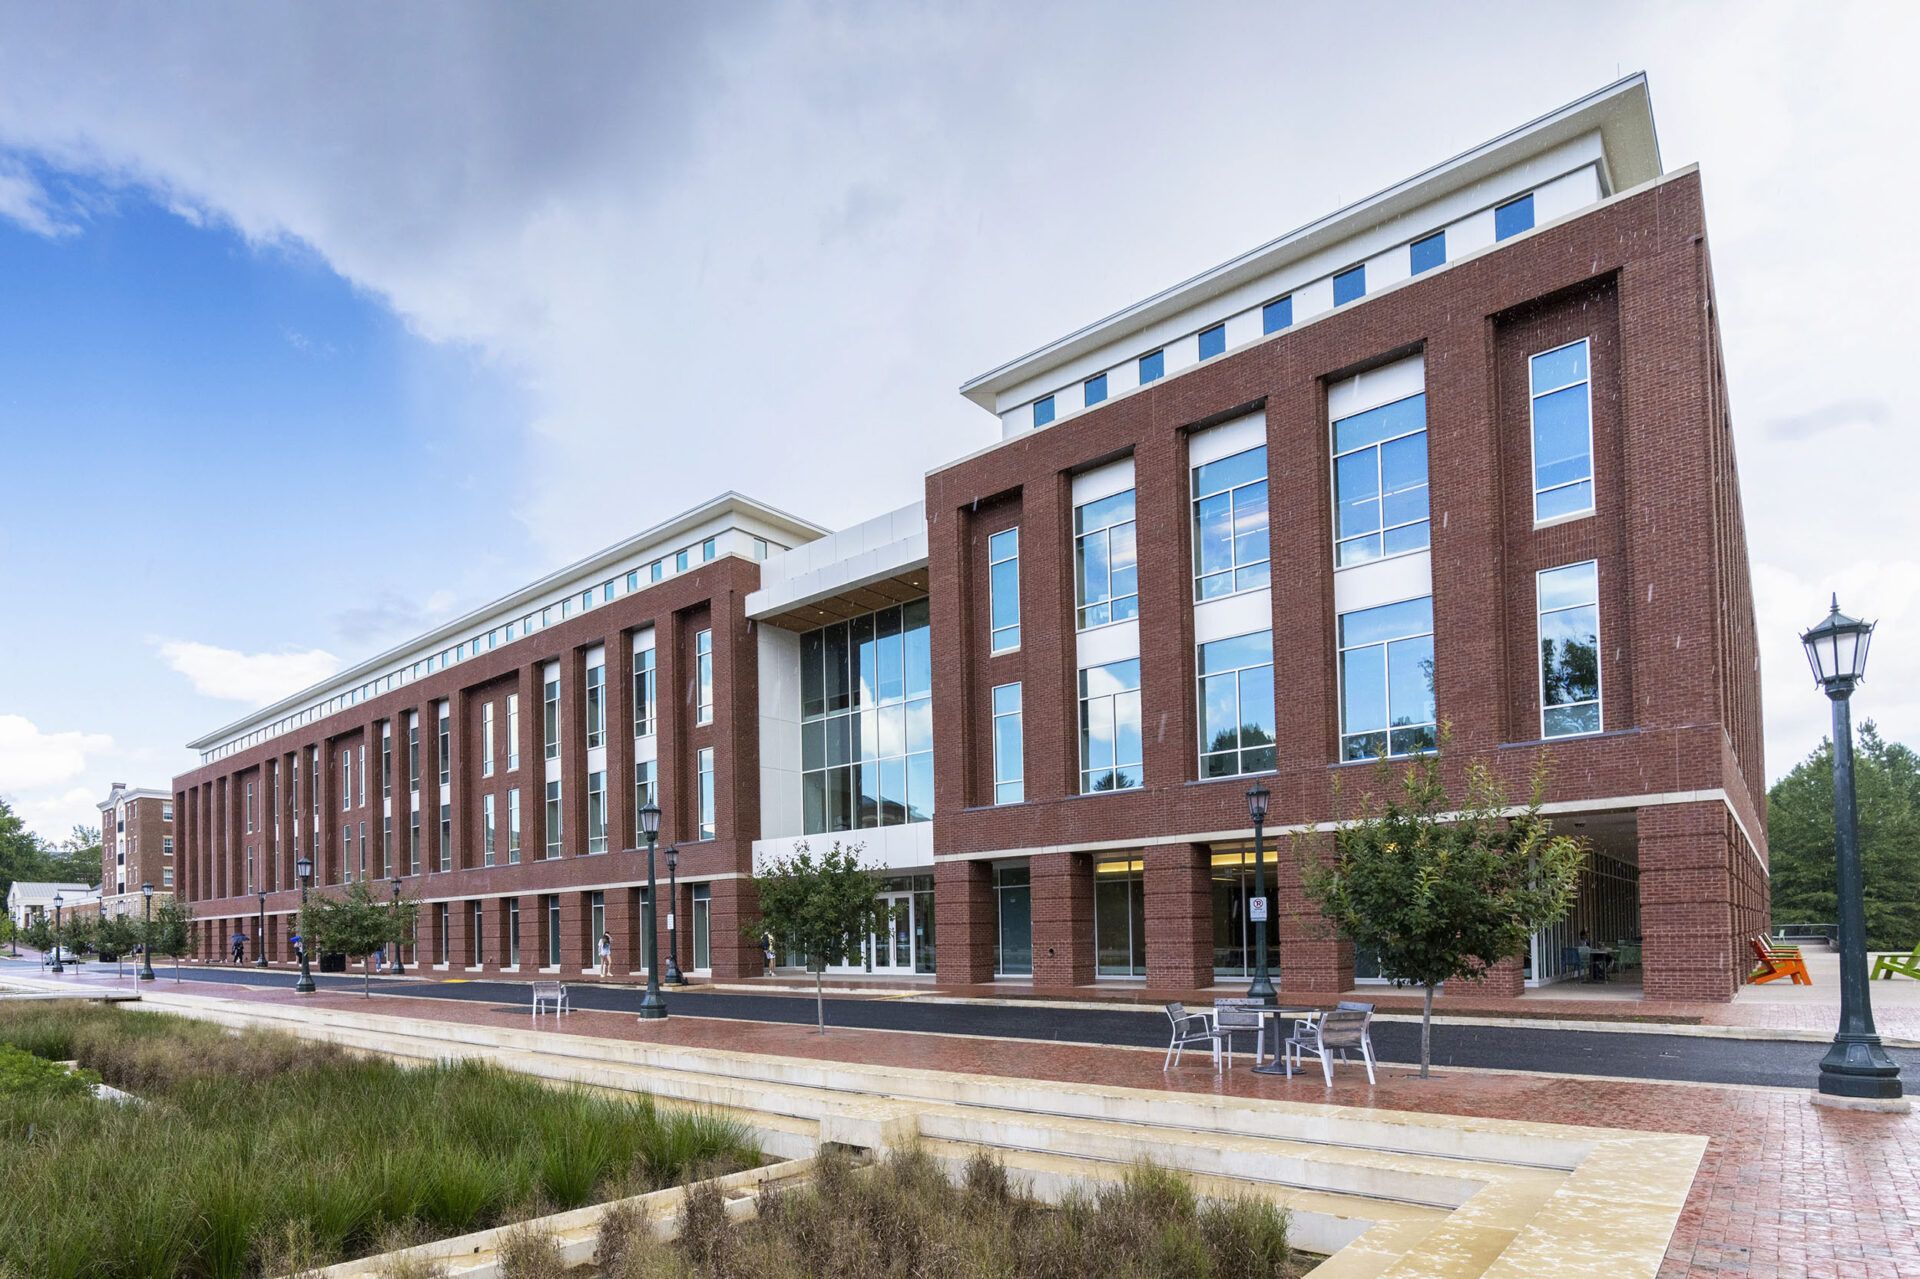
(1282, 1014)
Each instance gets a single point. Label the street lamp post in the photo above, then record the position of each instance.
(653, 1007)
(56, 968)
(260, 934)
(1262, 985)
(1856, 1069)
(399, 968)
(146, 934)
(674, 977)
(304, 869)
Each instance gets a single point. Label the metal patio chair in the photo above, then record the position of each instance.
(1339, 1031)
(550, 992)
(1189, 1029)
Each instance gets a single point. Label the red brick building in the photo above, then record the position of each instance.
(1458, 455)
(136, 847)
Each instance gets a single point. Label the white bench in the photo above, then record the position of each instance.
(550, 992)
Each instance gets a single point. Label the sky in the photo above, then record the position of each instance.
(322, 323)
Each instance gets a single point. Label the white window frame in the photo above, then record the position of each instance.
(1599, 666)
(995, 633)
(703, 677)
(1233, 541)
(703, 768)
(556, 812)
(513, 731)
(513, 826)
(596, 706)
(1111, 700)
(1080, 605)
(1533, 462)
(486, 830)
(1333, 477)
(486, 740)
(1000, 781)
(597, 811)
(1386, 685)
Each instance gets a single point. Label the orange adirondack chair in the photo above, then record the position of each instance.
(1775, 964)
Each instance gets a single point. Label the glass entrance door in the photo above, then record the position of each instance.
(890, 946)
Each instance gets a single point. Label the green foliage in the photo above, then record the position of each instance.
(259, 1147)
(23, 1074)
(356, 923)
(170, 932)
(1441, 894)
(117, 935)
(1886, 787)
(24, 855)
(821, 907)
(39, 934)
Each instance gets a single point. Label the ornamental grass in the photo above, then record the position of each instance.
(257, 1150)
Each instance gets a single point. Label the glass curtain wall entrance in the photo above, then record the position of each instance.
(1234, 934)
(1119, 918)
(1606, 913)
(902, 940)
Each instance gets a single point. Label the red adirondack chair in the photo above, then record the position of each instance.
(1775, 964)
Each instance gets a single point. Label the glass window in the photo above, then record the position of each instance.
(513, 731)
(1350, 284)
(1106, 575)
(1095, 388)
(553, 930)
(1277, 314)
(486, 740)
(486, 830)
(446, 837)
(1513, 217)
(633, 584)
(1230, 524)
(704, 768)
(513, 933)
(702, 927)
(1009, 770)
(1562, 400)
(1213, 341)
(1570, 650)
(386, 847)
(1236, 705)
(1380, 482)
(657, 570)
(1426, 254)
(1043, 411)
(596, 706)
(1013, 921)
(553, 819)
(1119, 918)
(1386, 680)
(513, 827)
(643, 693)
(346, 775)
(1153, 366)
(866, 736)
(386, 763)
(703, 677)
(413, 756)
(1110, 750)
(709, 548)
(597, 812)
(446, 744)
(1003, 579)
(413, 843)
(643, 786)
(680, 561)
(551, 707)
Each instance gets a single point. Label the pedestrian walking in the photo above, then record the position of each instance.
(606, 954)
(239, 947)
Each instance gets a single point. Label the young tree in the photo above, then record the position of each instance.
(356, 924)
(170, 931)
(39, 934)
(821, 907)
(117, 935)
(1441, 895)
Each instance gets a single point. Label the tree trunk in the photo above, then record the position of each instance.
(819, 1001)
(1426, 1034)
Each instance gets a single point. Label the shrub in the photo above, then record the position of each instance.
(528, 1252)
(23, 1074)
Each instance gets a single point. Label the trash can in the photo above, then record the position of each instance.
(334, 963)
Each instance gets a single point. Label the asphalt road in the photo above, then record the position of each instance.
(1636, 1055)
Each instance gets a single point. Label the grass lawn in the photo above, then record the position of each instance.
(256, 1151)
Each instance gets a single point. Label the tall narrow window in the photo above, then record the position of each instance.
(346, 852)
(386, 847)
(413, 843)
(386, 762)
(1513, 217)
(1230, 524)
(553, 930)
(1009, 769)
(643, 788)
(513, 932)
(1236, 705)
(597, 812)
(486, 740)
(1570, 650)
(643, 693)
(446, 743)
(551, 710)
(1003, 582)
(1106, 576)
(596, 706)
(445, 930)
(249, 808)
(486, 830)
(1110, 751)
(1386, 680)
(478, 929)
(360, 773)
(513, 827)
(703, 677)
(513, 731)
(1562, 399)
(346, 779)
(413, 757)
(704, 766)
(446, 837)
(1380, 481)
(553, 819)
(363, 850)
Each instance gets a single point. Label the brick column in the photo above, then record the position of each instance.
(963, 901)
(1062, 919)
(573, 757)
(1313, 959)
(1179, 896)
(621, 907)
(1686, 906)
(575, 952)
(735, 955)
(532, 775)
(623, 831)
(1505, 980)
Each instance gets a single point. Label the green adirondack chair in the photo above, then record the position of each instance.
(1907, 965)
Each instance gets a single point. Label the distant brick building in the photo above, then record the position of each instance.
(136, 847)
(1459, 455)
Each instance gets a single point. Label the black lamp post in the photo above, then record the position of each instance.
(1856, 1067)
(653, 1007)
(304, 869)
(146, 934)
(399, 968)
(56, 968)
(260, 934)
(673, 977)
(1262, 985)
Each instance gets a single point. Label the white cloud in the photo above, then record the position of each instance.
(31, 759)
(254, 678)
(25, 202)
(54, 816)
